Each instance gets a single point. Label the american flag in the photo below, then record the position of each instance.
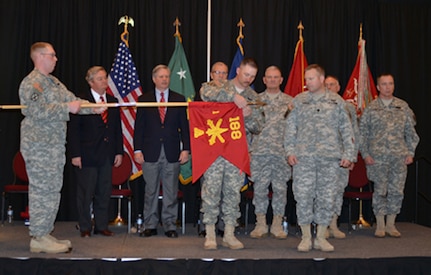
(239, 56)
(124, 84)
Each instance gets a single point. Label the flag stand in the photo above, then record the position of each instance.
(119, 221)
(361, 222)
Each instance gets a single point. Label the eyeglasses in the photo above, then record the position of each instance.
(51, 54)
(330, 84)
(219, 72)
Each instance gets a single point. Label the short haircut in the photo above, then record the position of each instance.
(250, 62)
(159, 67)
(38, 47)
(92, 71)
(384, 74)
(317, 67)
(219, 63)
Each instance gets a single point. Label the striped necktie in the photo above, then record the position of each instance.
(105, 113)
(162, 109)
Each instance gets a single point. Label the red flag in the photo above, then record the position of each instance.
(295, 82)
(124, 84)
(360, 89)
(217, 129)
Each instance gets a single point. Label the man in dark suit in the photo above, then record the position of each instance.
(95, 145)
(161, 144)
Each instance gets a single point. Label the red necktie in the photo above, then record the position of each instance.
(162, 109)
(105, 113)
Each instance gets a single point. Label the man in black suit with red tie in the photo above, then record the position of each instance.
(161, 144)
(95, 144)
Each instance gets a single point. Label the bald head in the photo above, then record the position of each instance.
(332, 84)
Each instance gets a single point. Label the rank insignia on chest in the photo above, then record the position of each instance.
(34, 97)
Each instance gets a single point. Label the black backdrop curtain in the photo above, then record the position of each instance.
(86, 33)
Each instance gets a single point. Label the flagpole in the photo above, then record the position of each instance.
(112, 105)
(209, 40)
(12, 107)
(127, 104)
(240, 35)
(125, 38)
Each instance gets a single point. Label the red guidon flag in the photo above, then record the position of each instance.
(295, 82)
(360, 90)
(217, 129)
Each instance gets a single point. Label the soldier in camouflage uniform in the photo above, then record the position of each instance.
(218, 74)
(43, 138)
(332, 84)
(223, 180)
(268, 160)
(388, 143)
(318, 140)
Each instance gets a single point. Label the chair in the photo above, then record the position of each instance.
(357, 181)
(120, 178)
(20, 176)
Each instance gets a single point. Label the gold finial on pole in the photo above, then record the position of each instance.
(125, 35)
(240, 35)
(177, 33)
(300, 28)
(360, 32)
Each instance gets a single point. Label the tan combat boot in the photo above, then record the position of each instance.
(65, 242)
(390, 226)
(229, 239)
(333, 229)
(320, 242)
(47, 245)
(305, 244)
(380, 230)
(210, 238)
(277, 228)
(261, 229)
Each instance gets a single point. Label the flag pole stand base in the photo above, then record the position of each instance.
(118, 221)
(361, 223)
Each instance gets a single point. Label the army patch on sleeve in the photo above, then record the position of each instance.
(34, 96)
(37, 86)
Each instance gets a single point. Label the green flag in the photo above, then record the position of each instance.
(182, 83)
(181, 78)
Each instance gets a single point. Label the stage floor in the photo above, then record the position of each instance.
(359, 244)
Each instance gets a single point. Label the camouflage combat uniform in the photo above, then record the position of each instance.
(268, 159)
(223, 180)
(388, 136)
(319, 134)
(43, 138)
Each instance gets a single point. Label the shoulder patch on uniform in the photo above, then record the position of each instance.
(37, 86)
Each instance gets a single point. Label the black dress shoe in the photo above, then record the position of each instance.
(171, 234)
(150, 232)
(105, 232)
(85, 234)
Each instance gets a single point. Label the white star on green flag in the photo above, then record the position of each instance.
(181, 78)
(182, 83)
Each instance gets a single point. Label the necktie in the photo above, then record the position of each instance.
(105, 113)
(162, 109)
